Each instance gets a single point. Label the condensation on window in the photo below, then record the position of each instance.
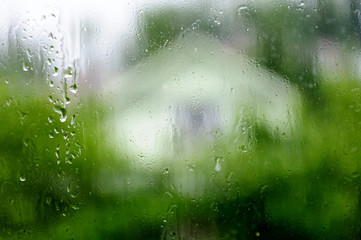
(180, 119)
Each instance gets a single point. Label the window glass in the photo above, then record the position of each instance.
(180, 119)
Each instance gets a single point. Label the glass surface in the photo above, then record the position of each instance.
(180, 119)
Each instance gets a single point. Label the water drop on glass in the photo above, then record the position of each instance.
(62, 111)
(74, 88)
(191, 168)
(25, 67)
(56, 71)
(72, 120)
(218, 166)
(22, 178)
(127, 181)
(68, 72)
(74, 194)
(63, 118)
(51, 36)
(241, 9)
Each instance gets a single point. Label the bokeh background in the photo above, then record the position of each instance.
(180, 120)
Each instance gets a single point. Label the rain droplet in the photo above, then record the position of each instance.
(75, 207)
(61, 111)
(8, 101)
(63, 118)
(301, 6)
(72, 120)
(195, 25)
(57, 154)
(23, 115)
(51, 36)
(67, 100)
(243, 148)
(25, 67)
(56, 71)
(191, 168)
(127, 181)
(68, 72)
(74, 194)
(216, 21)
(355, 174)
(218, 166)
(241, 9)
(74, 88)
(22, 178)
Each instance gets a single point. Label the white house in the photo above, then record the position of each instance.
(172, 109)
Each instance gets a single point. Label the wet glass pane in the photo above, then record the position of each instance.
(180, 119)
